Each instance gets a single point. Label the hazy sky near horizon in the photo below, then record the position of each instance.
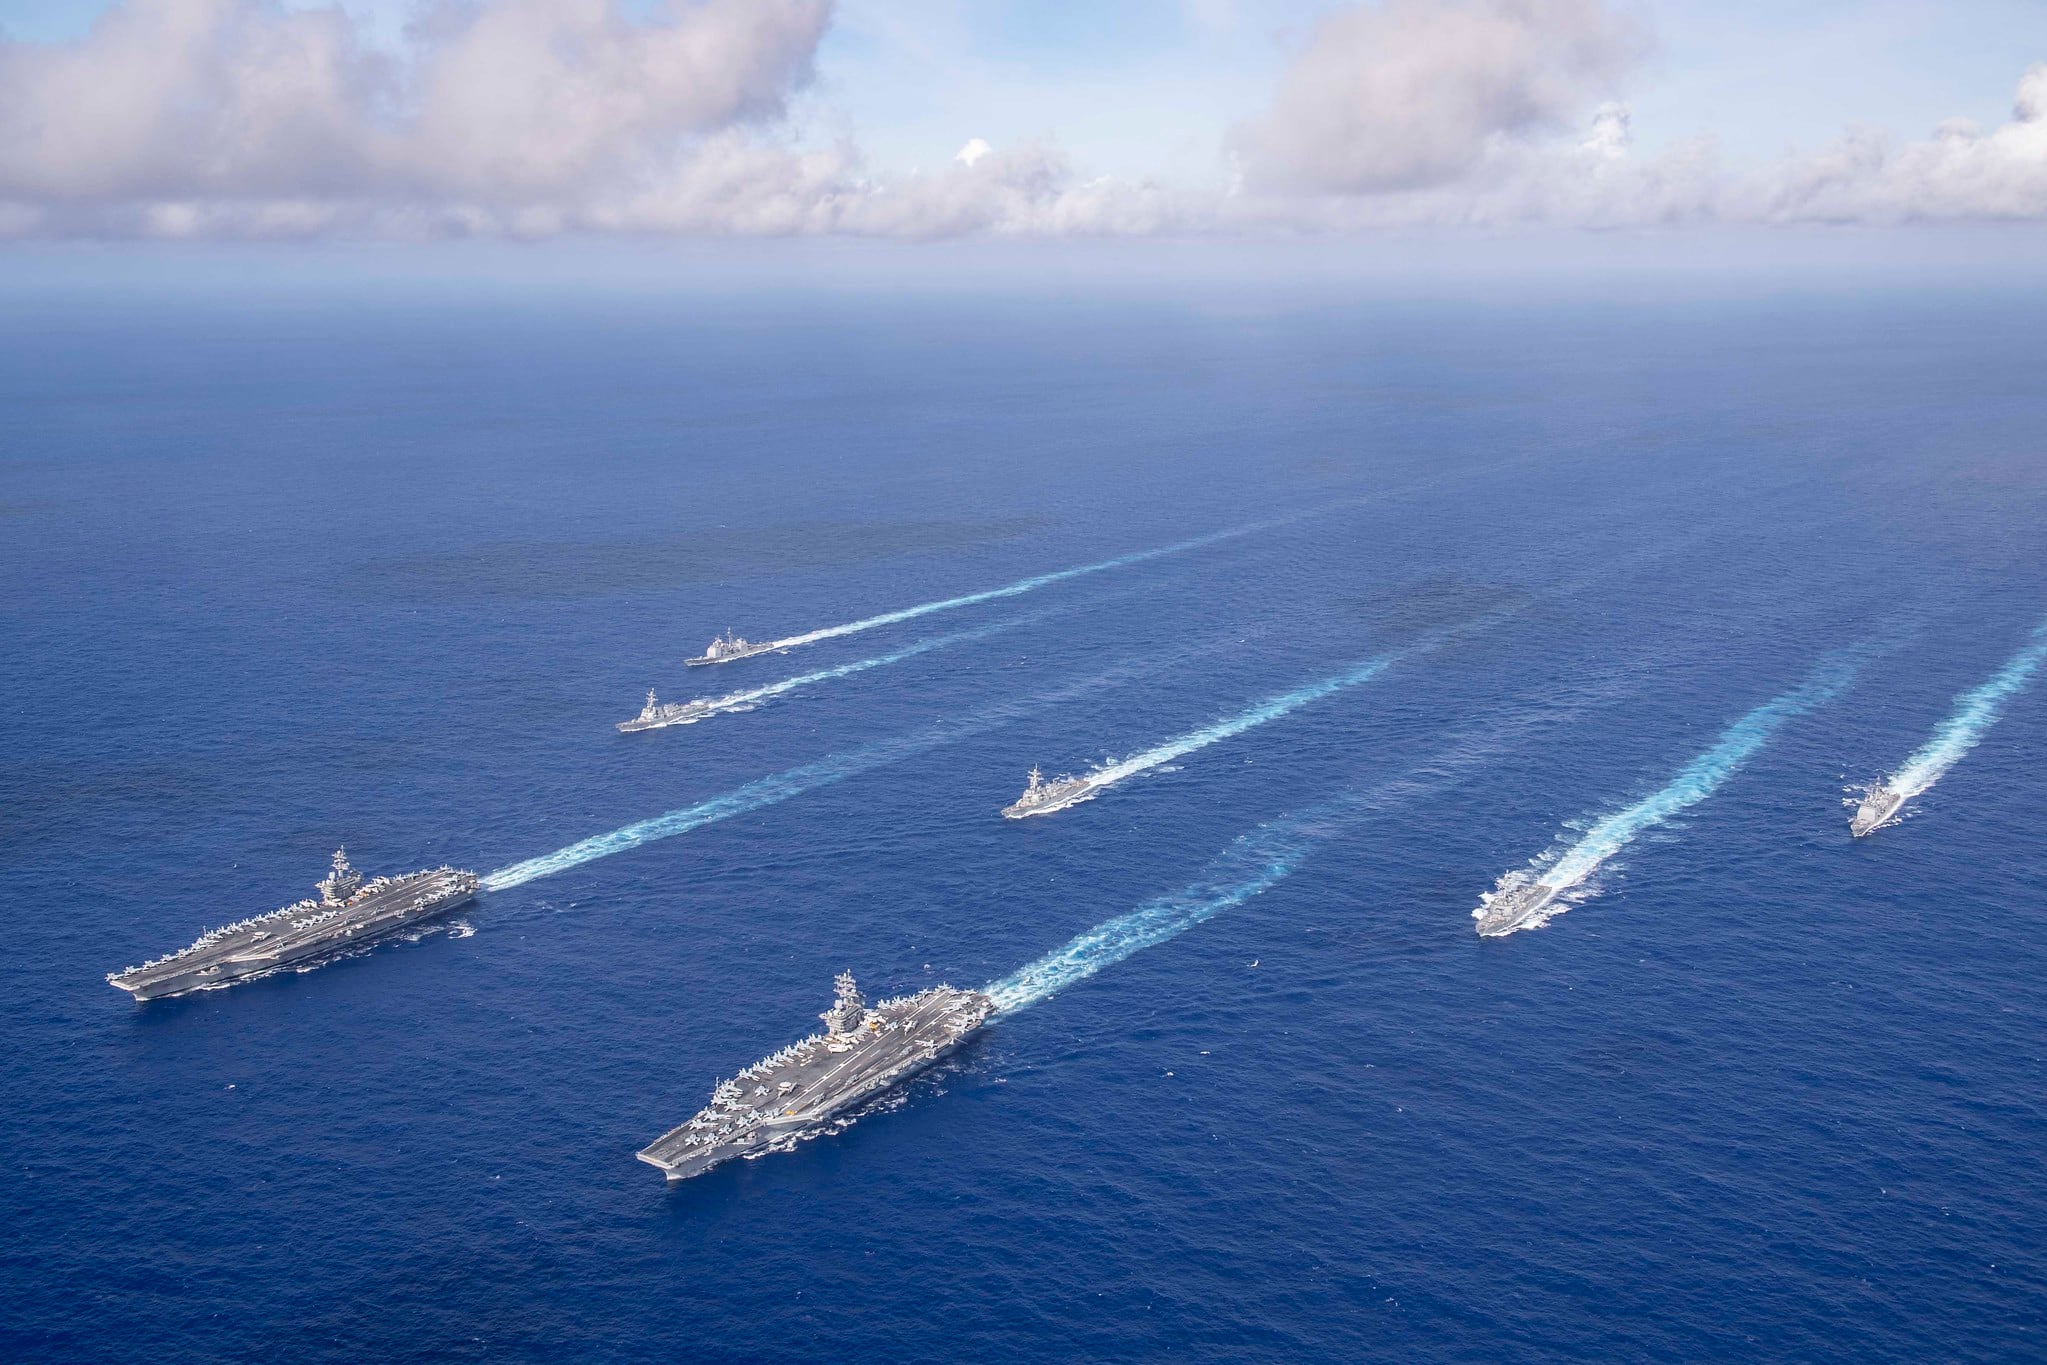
(944, 118)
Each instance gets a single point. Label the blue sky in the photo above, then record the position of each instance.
(1142, 116)
(1120, 84)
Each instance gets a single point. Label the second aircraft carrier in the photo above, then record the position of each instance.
(349, 912)
(797, 1093)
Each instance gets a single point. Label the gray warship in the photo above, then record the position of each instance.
(1042, 798)
(1513, 907)
(1876, 809)
(727, 647)
(348, 912)
(654, 714)
(795, 1094)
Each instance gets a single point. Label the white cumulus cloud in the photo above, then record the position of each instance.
(533, 118)
(1413, 93)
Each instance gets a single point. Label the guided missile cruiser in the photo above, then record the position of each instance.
(727, 647)
(1042, 798)
(1513, 907)
(796, 1094)
(348, 913)
(654, 714)
(1876, 809)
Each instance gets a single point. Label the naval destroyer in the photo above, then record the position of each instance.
(1042, 798)
(795, 1094)
(727, 647)
(349, 912)
(654, 714)
(1513, 907)
(1878, 807)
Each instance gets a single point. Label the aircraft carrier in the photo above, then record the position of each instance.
(795, 1094)
(1042, 798)
(349, 912)
(1513, 907)
(1876, 809)
(727, 647)
(655, 715)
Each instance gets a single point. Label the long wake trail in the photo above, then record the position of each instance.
(1975, 712)
(1271, 709)
(1263, 858)
(1032, 584)
(753, 696)
(1696, 781)
(778, 787)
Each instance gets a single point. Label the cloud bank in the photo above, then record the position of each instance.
(531, 118)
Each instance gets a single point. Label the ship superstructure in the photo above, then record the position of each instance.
(1513, 907)
(655, 714)
(1876, 810)
(727, 647)
(348, 912)
(796, 1093)
(1042, 797)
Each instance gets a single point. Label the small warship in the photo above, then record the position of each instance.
(1513, 907)
(349, 912)
(1876, 809)
(795, 1094)
(1042, 798)
(727, 647)
(654, 714)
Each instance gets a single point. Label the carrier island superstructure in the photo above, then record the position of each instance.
(727, 647)
(349, 912)
(798, 1092)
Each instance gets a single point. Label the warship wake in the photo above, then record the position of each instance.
(795, 1094)
(348, 913)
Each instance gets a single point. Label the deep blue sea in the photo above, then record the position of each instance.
(279, 576)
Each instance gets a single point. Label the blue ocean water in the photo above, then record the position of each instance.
(282, 576)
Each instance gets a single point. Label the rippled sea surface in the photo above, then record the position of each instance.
(282, 578)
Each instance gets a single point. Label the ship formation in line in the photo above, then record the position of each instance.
(727, 647)
(654, 714)
(348, 913)
(1514, 907)
(1877, 809)
(1042, 798)
(796, 1094)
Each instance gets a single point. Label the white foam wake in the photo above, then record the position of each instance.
(1696, 781)
(1032, 584)
(779, 787)
(1975, 712)
(753, 696)
(1262, 859)
(1271, 709)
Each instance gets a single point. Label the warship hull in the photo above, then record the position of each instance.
(1058, 800)
(706, 660)
(801, 1091)
(1515, 908)
(309, 932)
(1875, 812)
(682, 714)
